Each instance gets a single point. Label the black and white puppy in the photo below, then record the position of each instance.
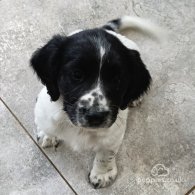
(90, 77)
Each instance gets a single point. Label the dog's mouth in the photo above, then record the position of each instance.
(90, 119)
(93, 118)
(96, 124)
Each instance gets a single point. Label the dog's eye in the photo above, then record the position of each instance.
(77, 75)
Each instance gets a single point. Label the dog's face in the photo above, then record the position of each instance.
(94, 73)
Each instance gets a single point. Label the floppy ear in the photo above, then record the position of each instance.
(45, 62)
(139, 79)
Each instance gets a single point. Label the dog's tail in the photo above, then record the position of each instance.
(130, 22)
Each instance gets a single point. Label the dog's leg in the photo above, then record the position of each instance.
(104, 169)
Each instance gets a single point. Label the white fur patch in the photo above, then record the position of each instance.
(99, 97)
(102, 52)
(74, 32)
(125, 41)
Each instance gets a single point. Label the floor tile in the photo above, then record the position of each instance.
(24, 170)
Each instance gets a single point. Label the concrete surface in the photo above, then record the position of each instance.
(23, 167)
(161, 132)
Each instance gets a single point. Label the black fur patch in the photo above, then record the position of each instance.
(113, 25)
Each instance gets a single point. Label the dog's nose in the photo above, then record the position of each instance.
(95, 119)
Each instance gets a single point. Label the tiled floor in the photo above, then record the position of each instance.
(160, 131)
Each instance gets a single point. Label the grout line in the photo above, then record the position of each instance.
(191, 190)
(30, 136)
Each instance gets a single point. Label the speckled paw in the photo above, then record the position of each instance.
(101, 180)
(46, 141)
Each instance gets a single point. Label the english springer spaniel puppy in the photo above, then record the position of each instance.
(90, 78)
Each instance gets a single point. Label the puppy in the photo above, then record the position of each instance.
(90, 77)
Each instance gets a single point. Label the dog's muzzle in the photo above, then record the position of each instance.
(93, 117)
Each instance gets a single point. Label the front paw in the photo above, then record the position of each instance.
(46, 141)
(101, 179)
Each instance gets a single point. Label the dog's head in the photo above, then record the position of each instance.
(94, 73)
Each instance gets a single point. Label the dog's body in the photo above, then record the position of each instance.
(91, 76)
(52, 121)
